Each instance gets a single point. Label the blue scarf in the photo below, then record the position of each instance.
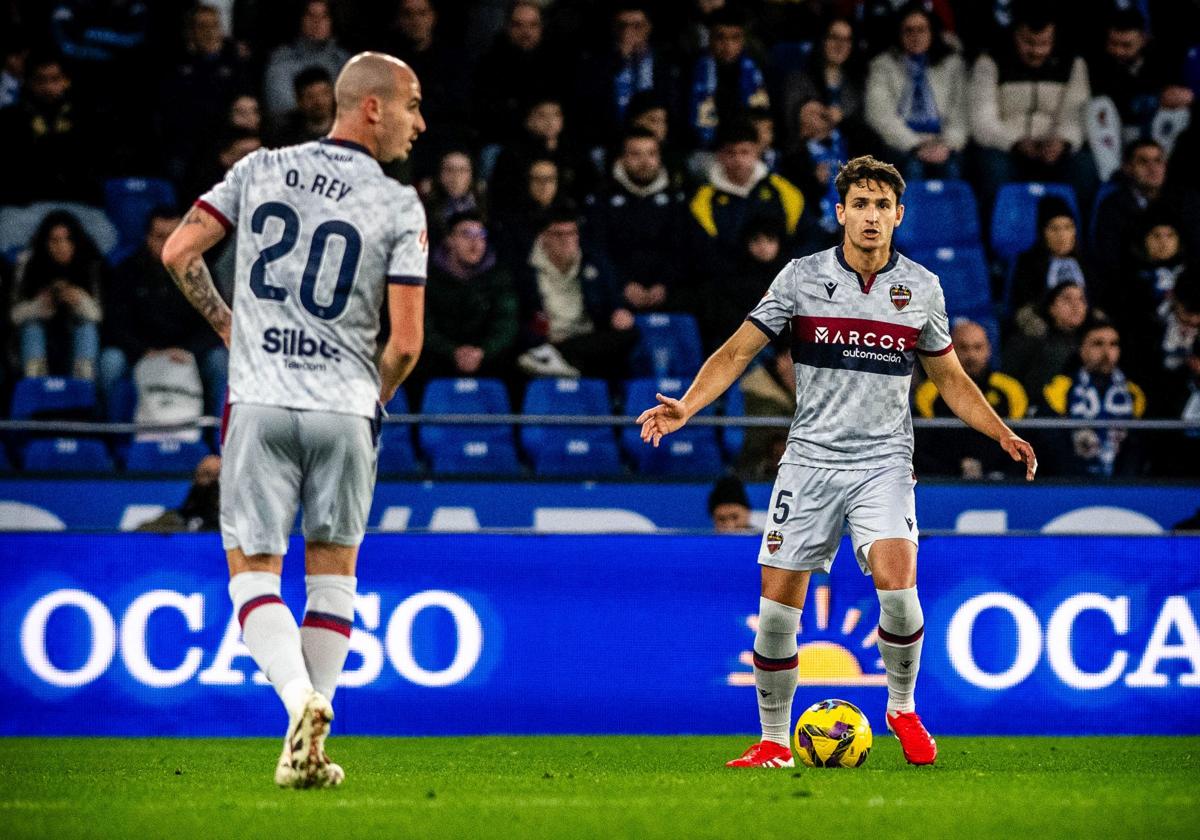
(918, 107)
(751, 91)
(1090, 399)
(635, 75)
(833, 152)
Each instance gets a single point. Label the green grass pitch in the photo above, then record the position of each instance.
(574, 787)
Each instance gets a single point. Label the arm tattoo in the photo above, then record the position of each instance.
(197, 286)
(192, 218)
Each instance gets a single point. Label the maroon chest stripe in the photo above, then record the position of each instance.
(858, 331)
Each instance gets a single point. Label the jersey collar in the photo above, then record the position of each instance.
(865, 285)
(346, 144)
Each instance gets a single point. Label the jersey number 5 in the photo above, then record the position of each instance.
(347, 269)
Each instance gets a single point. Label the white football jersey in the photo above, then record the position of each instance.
(320, 232)
(854, 344)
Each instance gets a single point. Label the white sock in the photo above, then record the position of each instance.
(775, 668)
(325, 633)
(901, 637)
(270, 632)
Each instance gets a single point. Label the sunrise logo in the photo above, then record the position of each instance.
(833, 655)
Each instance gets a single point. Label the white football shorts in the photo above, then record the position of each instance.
(810, 506)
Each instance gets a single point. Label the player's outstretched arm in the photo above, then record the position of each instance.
(183, 256)
(406, 315)
(969, 404)
(720, 371)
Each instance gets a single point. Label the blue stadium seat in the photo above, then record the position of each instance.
(964, 276)
(937, 214)
(691, 451)
(668, 345)
(128, 203)
(67, 455)
(396, 455)
(484, 449)
(1014, 218)
(37, 396)
(569, 450)
(164, 456)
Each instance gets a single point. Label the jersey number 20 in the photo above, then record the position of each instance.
(316, 252)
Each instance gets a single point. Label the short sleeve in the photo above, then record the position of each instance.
(935, 335)
(777, 307)
(410, 252)
(224, 200)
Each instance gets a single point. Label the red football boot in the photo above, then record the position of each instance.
(764, 754)
(918, 745)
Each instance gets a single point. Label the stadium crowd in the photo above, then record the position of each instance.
(590, 163)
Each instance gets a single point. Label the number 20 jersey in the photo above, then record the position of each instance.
(320, 233)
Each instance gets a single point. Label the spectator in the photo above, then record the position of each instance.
(1178, 455)
(231, 146)
(245, 114)
(916, 99)
(1142, 302)
(470, 306)
(196, 92)
(650, 112)
(147, 315)
(1046, 337)
(56, 308)
(520, 225)
(313, 116)
(639, 221)
(444, 75)
(1095, 388)
(729, 506)
(452, 190)
(50, 141)
(958, 452)
(609, 80)
(201, 508)
(1027, 106)
(571, 307)
(764, 126)
(1136, 80)
(1054, 259)
(739, 189)
(727, 297)
(1180, 328)
(834, 80)
(517, 66)
(824, 108)
(314, 46)
(541, 137)
(1136, 188)
(726, 79)
(13, 56)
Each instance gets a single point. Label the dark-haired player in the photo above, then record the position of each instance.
(860, 314)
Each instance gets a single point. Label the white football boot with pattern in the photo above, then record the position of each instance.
(303, 762)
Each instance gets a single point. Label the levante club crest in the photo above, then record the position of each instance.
(900, 296)
(774, 541)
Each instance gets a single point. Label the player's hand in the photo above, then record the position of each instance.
(1020, 450)
(663, 419)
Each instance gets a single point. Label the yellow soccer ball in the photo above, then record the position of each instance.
(832, 733)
